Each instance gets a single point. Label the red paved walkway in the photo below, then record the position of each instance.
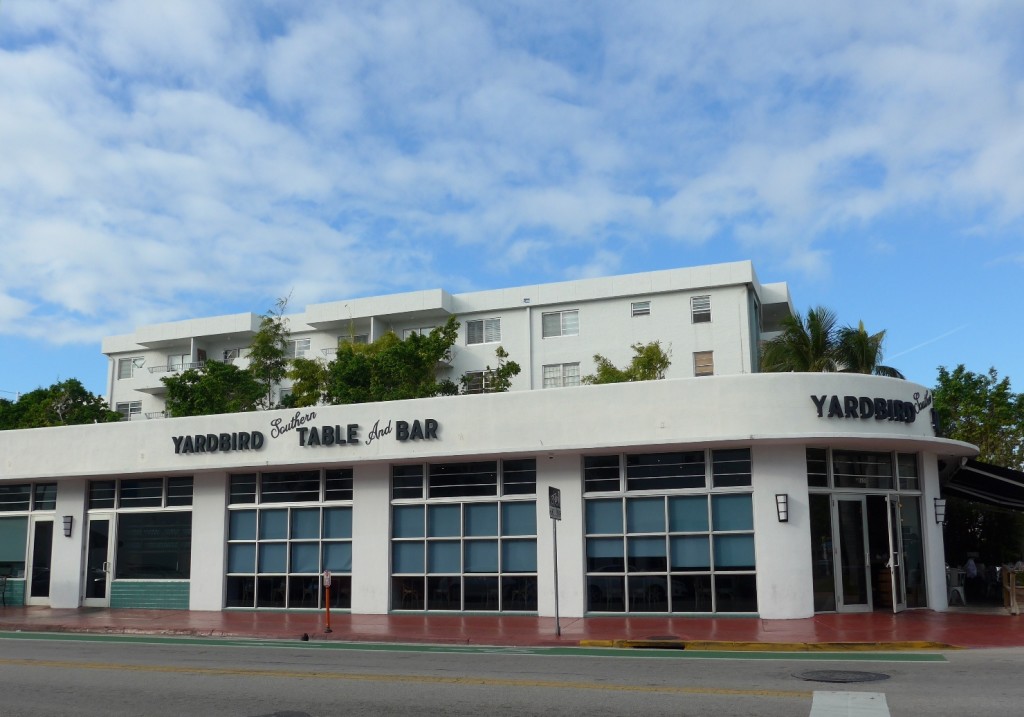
(960, 629)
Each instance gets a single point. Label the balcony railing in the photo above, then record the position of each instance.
(177, 367)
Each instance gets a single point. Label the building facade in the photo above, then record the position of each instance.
(779, 495)
(712, 320)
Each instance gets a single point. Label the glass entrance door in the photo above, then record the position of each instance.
(852, 558)
(41, 552)
(98, 568)
(897, 556)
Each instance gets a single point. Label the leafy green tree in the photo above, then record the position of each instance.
(649, 363)
(492, 380)
(215, 388)
(64, 403)
(309, 383)
(857, 351)
(982, 409)
(268, 352)
(391, 369)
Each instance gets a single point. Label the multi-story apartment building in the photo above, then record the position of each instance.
(711, 320)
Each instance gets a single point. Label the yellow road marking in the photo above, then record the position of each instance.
(416, 679)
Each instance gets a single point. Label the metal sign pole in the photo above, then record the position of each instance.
(327, 598)
(554, 535)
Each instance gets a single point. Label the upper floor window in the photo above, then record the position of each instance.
(703, 363)
(354, 339)
(478, 381)
(700, 309)
(129, 409)
(640, 308)
(483, 331)
(560, 323)
(177, 362)
(422, 331)
(126, 367)
(232, 354)
(561, 374)
(297, 348)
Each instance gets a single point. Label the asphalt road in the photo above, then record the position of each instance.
(84, 675)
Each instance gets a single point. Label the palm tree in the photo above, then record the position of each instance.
(860, 352)
(803, 345)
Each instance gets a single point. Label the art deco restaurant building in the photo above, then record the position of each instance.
(717, 490)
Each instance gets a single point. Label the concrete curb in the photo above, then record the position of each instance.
(727, 646)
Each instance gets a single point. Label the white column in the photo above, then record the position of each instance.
(209, 541)
(562, 472)
(785, 588)
(371, 539)
(66, 568)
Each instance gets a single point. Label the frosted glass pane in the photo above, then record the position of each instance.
(444, 557)
(482, 556)
(482, 519)
(732, 512)
(273, 524)
(337, 522)
(305, 558)
(604, 516)
(273, 557)
(519, 556)
(734, 551)
(407, 557)
(242, 558)
(688, 515)
(519, 518)
(408, 521)
(645, 515)
(690, 552)
(444, 521)
(338, 557)
(242, 525)
(306, 523)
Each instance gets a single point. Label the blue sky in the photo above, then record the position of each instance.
(162, 161)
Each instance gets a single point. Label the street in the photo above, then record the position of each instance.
(107, 675)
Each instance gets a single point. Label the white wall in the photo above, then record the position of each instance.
(783, 550)
(209, 540)
(371, 539)
(66, 568)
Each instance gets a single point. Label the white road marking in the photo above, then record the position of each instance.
(849, 704)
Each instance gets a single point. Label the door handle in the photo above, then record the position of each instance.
(106, 567)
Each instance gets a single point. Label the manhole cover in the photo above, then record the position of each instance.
(840, 676)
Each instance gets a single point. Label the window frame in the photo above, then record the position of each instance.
(704, 367)
(640, 308)
(487, 331)
(563, 314)
(562, 375)
(700, 309)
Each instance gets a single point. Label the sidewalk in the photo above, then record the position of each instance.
(913, 629)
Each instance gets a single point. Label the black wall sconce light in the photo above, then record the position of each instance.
(68, 523)
(782, 506)
(940, 511)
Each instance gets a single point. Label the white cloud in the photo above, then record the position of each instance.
(201, 154)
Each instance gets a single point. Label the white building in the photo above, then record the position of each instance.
(711, 318)
(772, 494)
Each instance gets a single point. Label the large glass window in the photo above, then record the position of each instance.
(154, 546)
(13, 542)
(291, 486)
(277, 555)
(691, 550)
(464, 555)
(140, 493)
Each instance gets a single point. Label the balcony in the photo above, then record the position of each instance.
(177, 368)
